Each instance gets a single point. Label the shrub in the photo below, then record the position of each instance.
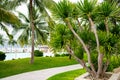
(38, 53)
(57, 55)
(61, 54)
(2, 56)
(114, 63)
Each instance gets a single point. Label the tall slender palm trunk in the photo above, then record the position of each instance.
(100, 55)
(32, 26)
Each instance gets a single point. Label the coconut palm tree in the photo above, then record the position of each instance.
(40, 28)
(42, 5)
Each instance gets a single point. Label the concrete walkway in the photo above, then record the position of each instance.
(42, 74)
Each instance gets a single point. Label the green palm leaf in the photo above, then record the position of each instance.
(87, 7)
(9, 17)
(63, 9)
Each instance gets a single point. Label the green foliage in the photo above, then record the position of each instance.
(38, 53)
(79, 52)
(87, 36)
(9, 17)
(94, 59)
(58, 37)
(61, 55)
(2, 56)
(70, 75)
(109, 42)
(63, 9)
(87, 7)
(114, 63)
(107, 9)
(116, 30)
(12, 67)
(98, 14)
(40, 28)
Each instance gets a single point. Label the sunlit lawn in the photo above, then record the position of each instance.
(70, 75)
(12, 67)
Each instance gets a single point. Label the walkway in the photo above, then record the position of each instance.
(42, 74)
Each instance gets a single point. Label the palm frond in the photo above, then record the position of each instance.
(11, 4)
(21, 15)
(9, 17)
(87, 6)
(63, 9)
(24, 37)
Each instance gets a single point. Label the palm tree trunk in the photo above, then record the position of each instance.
(100, 55)
(106, 26)
(32, 26)
(82, 42)
(79, 24)
(79, 60)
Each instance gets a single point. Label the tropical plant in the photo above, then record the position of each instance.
(2, 56)
(90, 39)
(42, 5)
(40, 28)
(38, 53)
(7, 18)
(108, 11)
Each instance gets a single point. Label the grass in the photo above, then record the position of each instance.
(12, 67)
(70, 75)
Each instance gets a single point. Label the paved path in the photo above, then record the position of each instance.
(42, 74)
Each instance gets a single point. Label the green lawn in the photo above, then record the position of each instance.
(70, 75)
(12, 67)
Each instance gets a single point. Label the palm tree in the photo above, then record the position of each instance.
(42, 5)
(64, 10)
(40, 28)
(108, 11)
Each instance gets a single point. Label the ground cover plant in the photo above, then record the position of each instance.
(12, 67)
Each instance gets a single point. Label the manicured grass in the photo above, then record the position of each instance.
(70, 75)
(12, 67)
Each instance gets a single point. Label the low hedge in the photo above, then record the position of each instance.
(2, 56)
(38, 53)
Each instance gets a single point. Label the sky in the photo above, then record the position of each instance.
(23, 9)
